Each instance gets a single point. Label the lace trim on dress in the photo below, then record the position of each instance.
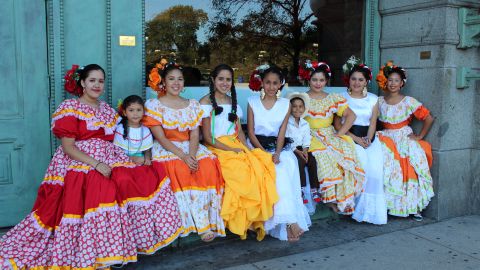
(397, 113)
(182, 119)
(104, 117)
(318, 108)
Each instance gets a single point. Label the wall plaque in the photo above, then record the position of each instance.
(127, 40)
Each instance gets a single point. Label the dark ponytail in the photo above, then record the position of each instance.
(127, 102)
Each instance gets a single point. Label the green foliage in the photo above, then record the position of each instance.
(276, 31)
(174, 30)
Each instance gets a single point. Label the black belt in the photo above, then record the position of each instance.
(360, 131)
(269, 143)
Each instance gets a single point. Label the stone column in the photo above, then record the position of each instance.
(423, 37)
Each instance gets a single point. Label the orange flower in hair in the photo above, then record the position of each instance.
(154, 78)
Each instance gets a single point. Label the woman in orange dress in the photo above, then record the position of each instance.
(194, 171)
(94, 208)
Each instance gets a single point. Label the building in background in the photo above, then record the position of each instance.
(436, 41)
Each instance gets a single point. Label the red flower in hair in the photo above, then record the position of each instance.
(71, 81)
(255, 82)
(304, 73)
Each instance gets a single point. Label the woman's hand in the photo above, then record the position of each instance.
(104, 169)
(191, 162)
(360, 141)
(415, 137)
(367, 141)
(276, 158)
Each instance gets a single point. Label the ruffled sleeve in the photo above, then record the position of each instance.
(421, 113)
(66, 127)
(148, 141)
(340, 104)
(207, 110)
(64, 122)
(152, 115)
(197, 115)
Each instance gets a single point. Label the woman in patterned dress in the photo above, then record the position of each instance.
(94, 208)
(194, 171)
(410, 192)
(340, 173)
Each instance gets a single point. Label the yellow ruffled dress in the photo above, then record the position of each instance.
(249, 176)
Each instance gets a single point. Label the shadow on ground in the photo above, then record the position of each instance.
(231, 251)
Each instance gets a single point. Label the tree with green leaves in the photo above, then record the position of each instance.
(174, 30)
(275, 23)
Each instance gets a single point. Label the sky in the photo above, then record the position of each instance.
(153, 7)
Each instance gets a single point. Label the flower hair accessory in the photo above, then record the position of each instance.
(119, 106)
(255, 81)
(71, 81)
(350, 64)
(385, 70)
(305, 70)
(154, 78)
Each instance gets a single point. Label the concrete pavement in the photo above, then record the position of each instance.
(338, 244)
(452, 244)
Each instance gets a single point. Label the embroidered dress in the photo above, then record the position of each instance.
(250, 191)
(412, 190)
(199, 193)
(340, 173)
(138, 140)
(290, 208)
(370, 206)
(83, 220)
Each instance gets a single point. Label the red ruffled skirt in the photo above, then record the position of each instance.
(82, 219)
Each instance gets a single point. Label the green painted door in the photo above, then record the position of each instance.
(24, 106)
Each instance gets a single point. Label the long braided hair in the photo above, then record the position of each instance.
(232, 116)
(127, 102)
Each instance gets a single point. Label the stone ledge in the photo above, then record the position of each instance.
(428, 5)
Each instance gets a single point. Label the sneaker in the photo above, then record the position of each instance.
(316, 196)
(417, 217)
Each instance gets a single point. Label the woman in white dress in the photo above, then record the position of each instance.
(370, 206)
(267, 123)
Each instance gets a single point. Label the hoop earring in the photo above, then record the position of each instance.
(364, 92)
(262, 94)
(278, 94)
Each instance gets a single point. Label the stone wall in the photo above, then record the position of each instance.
(414, 27)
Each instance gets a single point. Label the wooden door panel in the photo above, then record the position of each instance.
(24, 106)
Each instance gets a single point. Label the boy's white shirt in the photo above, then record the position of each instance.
(300, 134)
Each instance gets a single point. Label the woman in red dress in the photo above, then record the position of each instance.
(94, 208)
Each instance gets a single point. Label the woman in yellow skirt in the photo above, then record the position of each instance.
(249, 175)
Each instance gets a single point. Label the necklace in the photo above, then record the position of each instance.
(137, 152)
